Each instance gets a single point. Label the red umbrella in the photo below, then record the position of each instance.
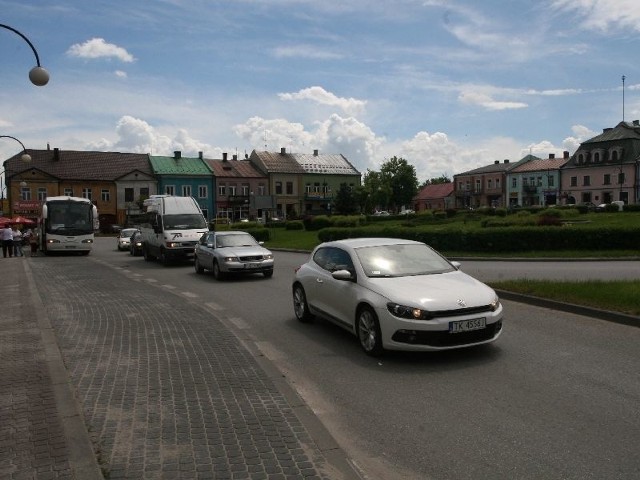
(4, 220)
(22, 220)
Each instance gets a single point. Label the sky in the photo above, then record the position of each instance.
(447, 85)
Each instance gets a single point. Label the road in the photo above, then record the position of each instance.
(556, 397)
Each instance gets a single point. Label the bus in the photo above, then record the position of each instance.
(67, 224)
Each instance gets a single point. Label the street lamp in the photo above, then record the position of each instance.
(38, 75)
(25, 156)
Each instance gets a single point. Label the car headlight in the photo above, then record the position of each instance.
(231, 259)
(87, 240)
(52, 241)
(268, 257)
(495, 305)
(402, 311)
(172, 244)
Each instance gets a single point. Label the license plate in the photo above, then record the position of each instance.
(69, 246)
(252, 265)
(467, 325)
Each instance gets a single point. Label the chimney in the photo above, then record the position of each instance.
(283, 151)
(200, 155)
(177, 154)
(48, 146)
(636, 123)
(315, 152)
(506, 161)
(565, 154)
(224, 156)
(552, 156)
(56, 154)
(235, 156)
(496, 162)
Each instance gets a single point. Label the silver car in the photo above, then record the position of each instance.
(232, 252)
(124, 238)
(396, 294)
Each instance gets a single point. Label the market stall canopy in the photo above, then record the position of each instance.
(21, 220)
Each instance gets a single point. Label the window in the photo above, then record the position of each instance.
(581, 158)
(489, 184)
(105, 195)
(186, 190)
(128, 195)
(574, 181)
(232, 190)
(203, 191)
(144, 192)
(222, 189)
(261, 189)
(25, 193)
(289, 188)
(586, 181)
(68, 192)
(478, 186)
(170, 190)
(86, 193)
(607, 179)
(596, 157)
(307, 188)
(278, 188)
(620, 178)
(614, 156)
(42, 193)
(550, 180)
(514, 182)
(245, 189)
(539, 181)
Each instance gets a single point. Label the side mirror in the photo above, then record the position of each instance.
(457, 265)
(342, 275)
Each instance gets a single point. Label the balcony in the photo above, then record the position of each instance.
(530, 189)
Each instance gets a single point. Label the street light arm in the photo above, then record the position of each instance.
(25, 156)
(38, 75)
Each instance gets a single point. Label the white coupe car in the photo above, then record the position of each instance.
(396, 294)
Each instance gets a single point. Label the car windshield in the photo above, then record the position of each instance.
(239, 240)
(185, 221)
(401, 260)
(127, 232)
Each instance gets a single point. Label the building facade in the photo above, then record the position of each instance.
(535, 181)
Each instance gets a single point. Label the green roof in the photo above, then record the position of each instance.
(183, 166)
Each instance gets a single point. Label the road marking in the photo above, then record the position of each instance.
(170, 287)
(239, 323)
(189, 294)
(214, 306)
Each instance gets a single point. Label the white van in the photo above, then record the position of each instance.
(171, 227)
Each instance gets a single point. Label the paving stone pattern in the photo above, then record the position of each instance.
(32, 441)
(167, 391)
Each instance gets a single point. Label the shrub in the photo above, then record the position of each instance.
(295, 225)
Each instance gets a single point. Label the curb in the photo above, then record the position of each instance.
(620, 318)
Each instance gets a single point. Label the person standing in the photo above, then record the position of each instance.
(6, 235)
(17, 242)
(33, 243)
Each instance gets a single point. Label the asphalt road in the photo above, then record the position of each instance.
(557, 396)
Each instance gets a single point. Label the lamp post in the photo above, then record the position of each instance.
(25, 156)
(38, 75)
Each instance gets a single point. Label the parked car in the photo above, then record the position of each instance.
(232, 252)
(590, 206)
(135, 244)
(381, 213)
(396, 294)
(124, 238)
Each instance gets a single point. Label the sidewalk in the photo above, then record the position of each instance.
(104, 377)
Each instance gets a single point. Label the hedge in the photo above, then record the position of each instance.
(513, 239)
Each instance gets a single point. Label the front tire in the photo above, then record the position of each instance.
(217, 273)
(147, 256)
(268, 274)
(368, 331)
(300, 305)
(199, 268)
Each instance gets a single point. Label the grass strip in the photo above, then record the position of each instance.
(614, 295)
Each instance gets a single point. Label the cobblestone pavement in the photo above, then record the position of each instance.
(165, 390)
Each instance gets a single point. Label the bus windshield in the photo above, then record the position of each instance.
(186, 221)
(69, 218)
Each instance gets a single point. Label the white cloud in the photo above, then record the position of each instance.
(319, 95)
(603, 15)
(120, 74)
(485, 101)
(98, 48)
(305, 51)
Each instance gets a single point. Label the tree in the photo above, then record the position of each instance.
(401, 180)
(436, 181)
(345, 201)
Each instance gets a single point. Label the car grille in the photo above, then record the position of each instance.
(188, 244)
(442, 338)
(461, 311)
(251, 258)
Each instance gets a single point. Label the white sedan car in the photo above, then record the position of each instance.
(396, 294)
(232, 252)
(124, 238)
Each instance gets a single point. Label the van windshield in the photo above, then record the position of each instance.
(186, 221)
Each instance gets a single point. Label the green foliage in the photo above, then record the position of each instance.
(294, 225)
(345, 201)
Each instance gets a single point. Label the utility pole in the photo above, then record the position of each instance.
(623, 79)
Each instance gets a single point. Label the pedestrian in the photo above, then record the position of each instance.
(17, 241)
(6, 235)
(33, 243)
